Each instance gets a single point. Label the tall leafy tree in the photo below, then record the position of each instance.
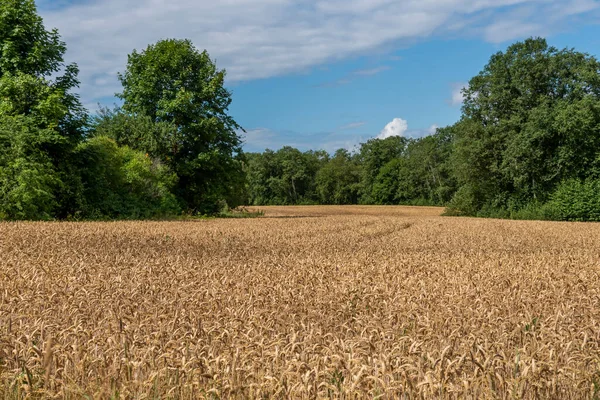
(338, 181)
(373, 155)
(41, 118)
(261, 170)
(421, 175)
(27, 47)
(287, 176)
(174, 84)
(429, 162)
(530, 120)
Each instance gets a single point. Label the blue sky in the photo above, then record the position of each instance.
(322, 74)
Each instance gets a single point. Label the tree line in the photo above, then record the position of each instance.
(527, 144)
(395, 170)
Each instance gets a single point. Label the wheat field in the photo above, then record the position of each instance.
(303, 303)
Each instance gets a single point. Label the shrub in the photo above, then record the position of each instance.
(575, 200)
(120, 182)
(464, 202)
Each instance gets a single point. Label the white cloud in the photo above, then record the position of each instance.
(259, 138)
(371, 71)
(351, 143)
(352, 76)
(353, 125)
(503, 31)
(539, 18)
(256, 39)
(397, 127)
(457, 96)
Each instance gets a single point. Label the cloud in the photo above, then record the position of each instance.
(256, 39)
(260, 139)
(353, 125)
(371, 71)
(420, 133)
(503, 31)
(350, 143)
(257, 139)
(539, 19)
(457, 97)
(352, 76)
(397, 127)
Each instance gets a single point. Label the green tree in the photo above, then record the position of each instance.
(421, 175)
(286, 176)
(120, 182)
(175, 85)
(373, 155)
(298, 172)
(27, 47)
(28, 179)
(530, 120)
(429, 164)
(136, 131)
(42, 120)
(259, 170)
(393, 184)
(36, 176)
(338, 181)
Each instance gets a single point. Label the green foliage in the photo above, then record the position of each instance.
(575, 200)
(41, 121)
(26, 45)
(286, 176)
(338, 180)
(373, 155)
(391, 184)
(27, 189)
(180, 89)
(531, 120)
(395, 170)
(29, 52)
(464, 202)
(30, 143)
(120, 182)
(421, 175)
(137, 131)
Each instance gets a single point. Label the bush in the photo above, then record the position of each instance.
(27, 190)
(123, 183)
(532, 211)
(575, 200)
(28, 179)
(464, 202)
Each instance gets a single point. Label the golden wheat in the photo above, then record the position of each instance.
(306, 302)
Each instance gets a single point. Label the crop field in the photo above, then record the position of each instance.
(303, 303)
